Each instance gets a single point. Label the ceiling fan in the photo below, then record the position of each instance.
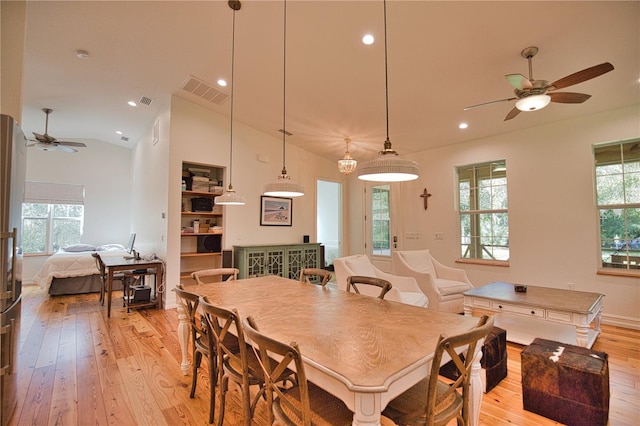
(532, 95)
(49, 143)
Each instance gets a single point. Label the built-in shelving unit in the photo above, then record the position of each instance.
(200, 249)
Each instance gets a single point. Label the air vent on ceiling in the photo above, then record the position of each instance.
(203, 90)
(124, 138)
(145, 100)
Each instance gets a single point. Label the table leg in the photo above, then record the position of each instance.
(109, 290)
(367, 409)
(582, 335)
(183, 338)
(475, 390)
(468, 310)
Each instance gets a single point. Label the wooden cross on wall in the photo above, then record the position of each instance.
(425, 197)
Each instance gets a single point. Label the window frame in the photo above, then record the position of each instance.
(50, 225)
(476, 211)
(628, 256)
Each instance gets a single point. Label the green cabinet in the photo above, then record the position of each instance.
(283, 260)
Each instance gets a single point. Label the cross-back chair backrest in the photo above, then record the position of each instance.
(201, 276)
(354, 281)
(463, 360)
(190, 303)
(220, 323)
(322, 274)
(291, 358)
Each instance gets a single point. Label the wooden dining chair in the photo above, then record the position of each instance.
(200, 345)
(207, 276)
(308, 274)
(354, 281)
(236, 362)
(435, 402)
(303, 404)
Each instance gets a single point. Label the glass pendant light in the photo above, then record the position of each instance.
(284, 186)
(230, 197)
(347, 164)
(387, 167)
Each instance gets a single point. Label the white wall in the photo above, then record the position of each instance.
(150, 183)
(553, 220)
(105, 171)
(199, 135)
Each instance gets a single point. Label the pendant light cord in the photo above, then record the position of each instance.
(284, 92)
(233, 59)
(386, 71)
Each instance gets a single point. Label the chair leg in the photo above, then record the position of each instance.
(247, 403)
(197, 358)
(222, 391)
(213, 378)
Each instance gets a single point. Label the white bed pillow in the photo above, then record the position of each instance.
(110, 247)
(79, 247)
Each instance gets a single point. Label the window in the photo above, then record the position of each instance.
(617, 172)
(52, 216)
(49, 227)
(381, 219)
(484, 220)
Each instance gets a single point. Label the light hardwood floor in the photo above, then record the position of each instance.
(77, 367)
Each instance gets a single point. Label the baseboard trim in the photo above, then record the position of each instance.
(620, 321)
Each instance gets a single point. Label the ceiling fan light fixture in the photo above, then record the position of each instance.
(533, 103)
(347, 164)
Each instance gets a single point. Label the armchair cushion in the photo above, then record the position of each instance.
(404, 290)
(447, 287)
(420, 260)
(361, 266)
(443, 285)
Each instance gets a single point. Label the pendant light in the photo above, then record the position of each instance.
(387, 167)
(230, 197)
(347, 164)
(284, 186)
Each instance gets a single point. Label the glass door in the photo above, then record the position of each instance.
(380, 229)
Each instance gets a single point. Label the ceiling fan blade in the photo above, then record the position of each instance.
(68, 143)
(65, 148)
(568, 97)
(519, 81)
(43, 138)
(490, 102)
(581, 76)
(515, 111)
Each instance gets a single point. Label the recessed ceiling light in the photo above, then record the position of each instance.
(118, 132)
(82, 54)
(368, 39)
(132, 103)
(463, 125)
(222, 83)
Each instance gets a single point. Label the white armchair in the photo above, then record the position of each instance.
(404, 290)
(442, 284)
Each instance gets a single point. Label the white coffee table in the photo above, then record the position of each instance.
(550, 313)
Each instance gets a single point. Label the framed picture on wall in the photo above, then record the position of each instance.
(275, 211)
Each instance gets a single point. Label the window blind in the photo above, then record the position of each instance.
(53, 193)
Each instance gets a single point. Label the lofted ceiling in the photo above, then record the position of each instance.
(442, 56)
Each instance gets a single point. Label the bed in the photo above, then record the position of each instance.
(74, 270)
